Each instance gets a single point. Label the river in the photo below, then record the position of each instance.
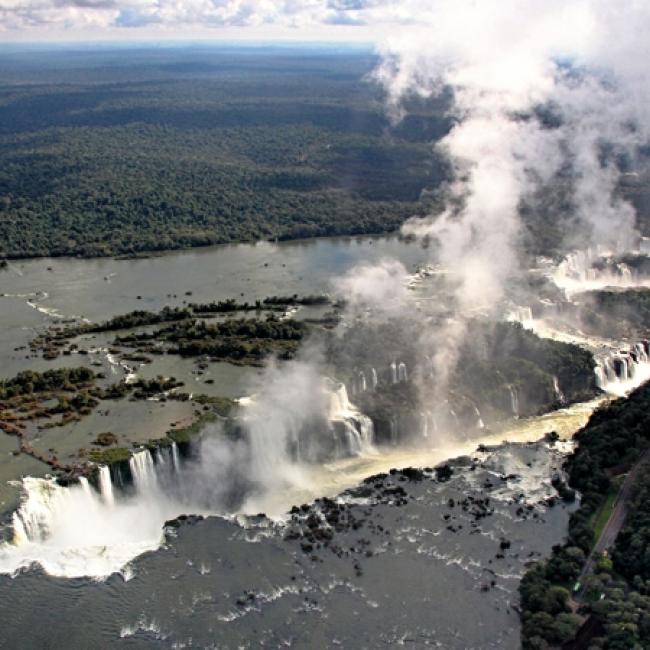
(107, 576)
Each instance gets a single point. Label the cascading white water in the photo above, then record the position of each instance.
(363, 386)
(593, 269)
(358, 427)
(523, 315)
(623, 370)
(175, 458)
(106, 486)
(77, 531)
(282, 435)
(558, 391)
(373, 378)
(73, 531)
(161, 459)
(143, 471)
(393, 431)
(479, 422)
(514, 400)
(428, 424)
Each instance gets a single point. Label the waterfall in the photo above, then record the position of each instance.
(357, 427)
(363, 386)
(32, 522)
(558, 391)
(373, 378)
(393, 373)
(161, 460)
(393, 431)
(402, 373)
(583, 270)
(623, 370)
(85, 486)
(106, 486)
(479, 422)
(72, 531)
(514, 400)
(143, 471)
(523, 315)
(625, 272)
(424, 425)
(278, 441)
(175, 458)
(45, 503)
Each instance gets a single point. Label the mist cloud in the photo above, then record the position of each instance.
(380, 288)
(506, 63)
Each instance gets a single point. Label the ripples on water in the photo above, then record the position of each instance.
(197, 586)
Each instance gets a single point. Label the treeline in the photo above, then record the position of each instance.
(120, 168)
(241, 341)
(270, 303)
(613, 440)
(307, 301)
(30, 381)
(130, 320)
(131, 155)
(249, 328)
(143, 318)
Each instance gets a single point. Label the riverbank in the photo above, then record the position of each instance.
(611, 445)
(436, 541)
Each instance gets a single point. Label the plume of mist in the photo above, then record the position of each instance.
(506, 62)
(286, 400)
(537, 88)
(380, 288)
(283, 423)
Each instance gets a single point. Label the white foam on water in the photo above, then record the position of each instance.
(72, 531)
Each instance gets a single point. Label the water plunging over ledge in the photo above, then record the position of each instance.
(48, 528)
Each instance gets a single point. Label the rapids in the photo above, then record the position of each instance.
(84, 530)
(78, 531)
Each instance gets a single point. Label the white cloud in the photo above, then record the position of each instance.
(444, 25)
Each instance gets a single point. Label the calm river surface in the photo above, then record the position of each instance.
(97, 289)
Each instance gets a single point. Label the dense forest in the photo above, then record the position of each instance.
(123, 151)
(200, 147)
(29, 381)
(615, 599)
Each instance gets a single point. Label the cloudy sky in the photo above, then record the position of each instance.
(301, 20)
(297, 20)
